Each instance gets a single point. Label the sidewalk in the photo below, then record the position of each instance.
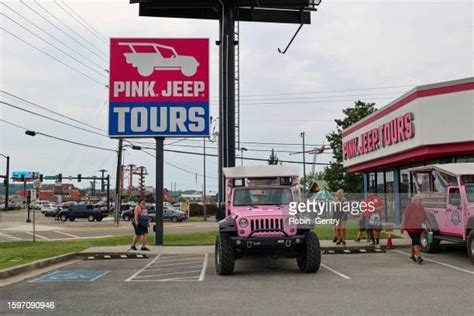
(402, 241)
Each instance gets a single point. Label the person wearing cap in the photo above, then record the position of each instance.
(413, 219)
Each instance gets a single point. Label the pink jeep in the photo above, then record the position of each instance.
(257, 219)
(448, 197)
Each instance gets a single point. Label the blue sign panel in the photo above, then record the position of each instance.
(27, 175)
(148, 119)
(72, 275)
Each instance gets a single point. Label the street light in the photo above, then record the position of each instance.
(242, 149)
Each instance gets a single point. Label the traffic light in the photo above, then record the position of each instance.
(59, 177)
(79, 177)
(41, 177)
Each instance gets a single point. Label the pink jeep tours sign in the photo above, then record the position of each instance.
(159, 87)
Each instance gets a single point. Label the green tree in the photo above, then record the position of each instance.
(273, 159)
(335, 174)
(307, 182)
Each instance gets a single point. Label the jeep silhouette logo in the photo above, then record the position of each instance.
(148, 57)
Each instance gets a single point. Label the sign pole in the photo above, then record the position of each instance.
(117, 182)
(159, 190)
(28, 219)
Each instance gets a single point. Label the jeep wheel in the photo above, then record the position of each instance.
(174, 219)
(189, 71)
(470, 245)
(225, 257)
(426, 246)
(99, 219)
(63, 217)
(90, 218)
(310, 260)
(126, 218)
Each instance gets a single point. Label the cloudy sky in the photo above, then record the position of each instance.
(368, 50)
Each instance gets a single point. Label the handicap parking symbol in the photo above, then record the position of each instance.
(72, 275)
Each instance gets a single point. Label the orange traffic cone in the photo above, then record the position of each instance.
(389, 241)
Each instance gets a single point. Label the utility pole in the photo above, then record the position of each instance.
(6, 182)
(117, 182)
(159, 190)
(303, 134)
(204, 200)
(102, 182)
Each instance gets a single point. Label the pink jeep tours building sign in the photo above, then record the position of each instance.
(159, 87)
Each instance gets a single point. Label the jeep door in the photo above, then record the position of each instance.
(454, 212)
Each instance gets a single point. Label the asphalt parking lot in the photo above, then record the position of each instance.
(346, 284)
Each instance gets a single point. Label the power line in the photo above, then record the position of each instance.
(327, 91)
(80, 22)
(244, 158)
(178, 167)
(54, 46)
(70, 29)
(61, 30)
(50, 118)
(56, 59)
(54, 37)
(59, 138)
(321, 97)
(51, 111)
(301, 102)
(83, 20)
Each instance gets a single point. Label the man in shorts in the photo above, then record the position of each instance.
(414, 217)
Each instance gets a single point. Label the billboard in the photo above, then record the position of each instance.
(159, 87)
(28, 175)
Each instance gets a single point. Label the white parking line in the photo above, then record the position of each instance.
(11, 237)
(99, 276)
(142, 269)
(176, 263)
(204, 268)
(38, 236)
(168, 268)
(168, 273)
(180, 260)
(437, 262)
(66, 234)
(336, 272)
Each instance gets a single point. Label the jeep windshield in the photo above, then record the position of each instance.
(270, 196)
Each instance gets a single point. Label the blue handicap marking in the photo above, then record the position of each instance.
(72, 275)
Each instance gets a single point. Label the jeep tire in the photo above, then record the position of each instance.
(310, 258)
(426, 246)
(470, 245)
(224, 255)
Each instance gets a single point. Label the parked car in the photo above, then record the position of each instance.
(50, 209)
(81, 211)
(168, 214)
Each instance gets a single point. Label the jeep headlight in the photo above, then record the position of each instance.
(244, 223)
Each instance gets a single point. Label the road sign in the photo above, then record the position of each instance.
(50, 177)
(27, 175)
(159, 87)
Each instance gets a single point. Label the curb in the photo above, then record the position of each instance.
(7, 273)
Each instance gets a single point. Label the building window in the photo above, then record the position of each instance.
(372, 182)
(380, 182)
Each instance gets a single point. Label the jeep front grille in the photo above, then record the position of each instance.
(269, 224)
